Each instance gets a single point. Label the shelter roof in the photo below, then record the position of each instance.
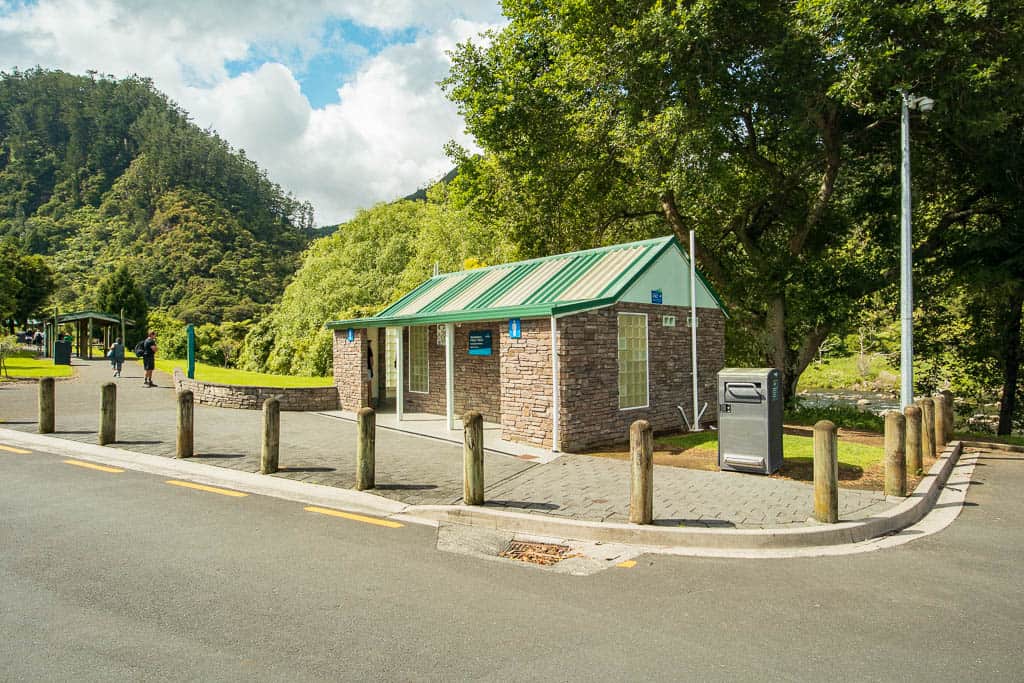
(95, 315)
(541, 287)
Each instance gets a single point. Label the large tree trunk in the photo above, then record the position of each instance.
(1011, 362)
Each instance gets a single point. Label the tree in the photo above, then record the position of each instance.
(769, 127)
(26, 283)
(119, 292)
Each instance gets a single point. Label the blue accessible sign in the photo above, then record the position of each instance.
(515, 328)
(655, 296)
(480, 343)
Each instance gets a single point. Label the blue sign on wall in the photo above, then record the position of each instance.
(515, 328)
(480, 343)
(351, 335)
(655, 296)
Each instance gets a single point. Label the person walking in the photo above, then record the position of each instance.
(149, 358)
(116, 356)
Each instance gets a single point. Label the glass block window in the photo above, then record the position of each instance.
(632, 360)
(418, 363)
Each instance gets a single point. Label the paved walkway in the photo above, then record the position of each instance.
(320, 449)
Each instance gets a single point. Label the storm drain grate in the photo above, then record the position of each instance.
(536, 553)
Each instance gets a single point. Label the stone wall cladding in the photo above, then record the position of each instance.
(588, 372)
(349, 361)
(526, 384)
(477, 378)
(252, 398)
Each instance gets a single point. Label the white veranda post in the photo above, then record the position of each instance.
(400, 366)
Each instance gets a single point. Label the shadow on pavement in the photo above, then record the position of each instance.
(406, 487)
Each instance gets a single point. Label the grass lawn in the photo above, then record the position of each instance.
(839, 373)
(860, 457)
(25, 364)
(218, 375)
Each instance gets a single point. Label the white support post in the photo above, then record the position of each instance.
(554, 384)
(693, 328)
(449, 374)
(400, 393)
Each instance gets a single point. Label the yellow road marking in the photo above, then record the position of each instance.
(91, 466)
(209, 489)
(12, 449)
(628, 564)
(356, 518)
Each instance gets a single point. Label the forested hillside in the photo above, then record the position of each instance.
(97, 172)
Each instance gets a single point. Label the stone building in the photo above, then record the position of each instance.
(564, 352)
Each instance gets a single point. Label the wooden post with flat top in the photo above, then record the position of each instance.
(271, 436)
(641, 481)
(366, 446)
(940, 422)
(473, 458)
(895, 454)
(186, 425)
(826, 473)
(927, 429)
(915, 465)
(47, 405)
(108, 414)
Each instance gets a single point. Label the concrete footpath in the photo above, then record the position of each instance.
(418, 478)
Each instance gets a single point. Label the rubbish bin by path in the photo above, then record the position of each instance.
(750, 420)
(62, 353)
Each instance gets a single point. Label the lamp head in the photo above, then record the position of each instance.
(923, 103)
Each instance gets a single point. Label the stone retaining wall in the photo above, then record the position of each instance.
(252, 398)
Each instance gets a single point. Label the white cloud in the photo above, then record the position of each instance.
(381, 140)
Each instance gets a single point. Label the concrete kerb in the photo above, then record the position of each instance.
(248, 482)
(907, 513)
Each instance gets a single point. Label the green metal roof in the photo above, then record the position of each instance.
(540, 287)
(95, 315)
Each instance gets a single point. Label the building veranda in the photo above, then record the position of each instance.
(564, 352)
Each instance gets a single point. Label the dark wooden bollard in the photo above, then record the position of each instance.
(186, 425)
(914, 462)
(473, 458)
(641, 481)
(927, 428)
(366, 445)
(940, 422)
(47, 405)
(895, 454)
(108, 413)
(826, 473)
(949, 414)
(271, 436)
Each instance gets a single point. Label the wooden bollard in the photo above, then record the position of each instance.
(927, 428)
(186, 425)
(366, 446)
(913, 417)
(641, 481)
(949, 414)
(47, 406)
(271, 436)
(473, 458)
(895, 454)
(940, 422)
(108, 413)
(826, 473)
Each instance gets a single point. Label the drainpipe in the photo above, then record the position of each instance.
(554, 384)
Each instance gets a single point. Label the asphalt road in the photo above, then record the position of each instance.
(119, 575)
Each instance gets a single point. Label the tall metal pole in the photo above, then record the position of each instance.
(906, 269)
(693, 328)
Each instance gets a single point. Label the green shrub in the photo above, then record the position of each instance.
(842, 416)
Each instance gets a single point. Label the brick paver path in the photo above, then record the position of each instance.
(321, 449)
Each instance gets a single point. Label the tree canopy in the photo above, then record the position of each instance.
(769, 127)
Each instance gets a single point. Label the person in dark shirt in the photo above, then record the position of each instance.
(149, 358)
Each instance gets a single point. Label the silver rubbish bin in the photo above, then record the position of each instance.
(750, 420)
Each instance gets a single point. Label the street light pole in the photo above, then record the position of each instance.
(924, 104)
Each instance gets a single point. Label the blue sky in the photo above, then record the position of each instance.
(337, 99)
